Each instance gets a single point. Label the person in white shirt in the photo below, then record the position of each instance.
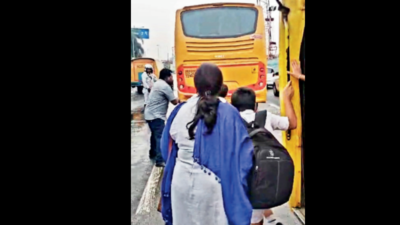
(244, 99)
(148, 79)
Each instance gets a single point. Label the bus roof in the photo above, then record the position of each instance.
(143, 58)
(218, 4)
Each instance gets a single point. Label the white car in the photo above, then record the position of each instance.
(270, 77)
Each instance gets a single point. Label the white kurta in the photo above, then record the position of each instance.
(196, 192)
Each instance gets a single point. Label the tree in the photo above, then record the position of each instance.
(137, 49)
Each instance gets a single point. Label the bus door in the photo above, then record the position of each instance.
(291, 47)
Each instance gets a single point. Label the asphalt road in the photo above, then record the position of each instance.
(141, 165)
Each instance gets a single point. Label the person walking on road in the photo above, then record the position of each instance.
(244, 100)
(148, 79)
(205, 177)
(156, 110)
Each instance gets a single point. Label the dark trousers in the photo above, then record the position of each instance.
(156, 128)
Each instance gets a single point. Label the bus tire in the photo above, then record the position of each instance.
(276, 92)
(140, 89)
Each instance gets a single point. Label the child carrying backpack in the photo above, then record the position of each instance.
(270, 184)
(224, 91)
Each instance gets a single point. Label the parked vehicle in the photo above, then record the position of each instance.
(230, 35)
(137, 68)
(270, 77)
(275, 85)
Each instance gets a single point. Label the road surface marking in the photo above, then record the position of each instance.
(149, 193)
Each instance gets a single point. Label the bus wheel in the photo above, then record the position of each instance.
(276, 92)
(140, 89)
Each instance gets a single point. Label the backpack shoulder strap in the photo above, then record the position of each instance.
(246, 124)
(256, 131)
(261, 118)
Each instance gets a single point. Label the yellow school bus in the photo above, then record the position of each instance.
(230, 35)
(137, 68)
(291, 47)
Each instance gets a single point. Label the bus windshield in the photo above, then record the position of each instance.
(221, 22)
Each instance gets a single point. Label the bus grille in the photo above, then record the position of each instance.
(219, 47)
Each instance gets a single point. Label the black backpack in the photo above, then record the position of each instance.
(271, 180)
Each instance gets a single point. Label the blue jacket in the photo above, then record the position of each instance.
(228, 152)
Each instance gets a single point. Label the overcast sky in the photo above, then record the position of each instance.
(159, 17)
